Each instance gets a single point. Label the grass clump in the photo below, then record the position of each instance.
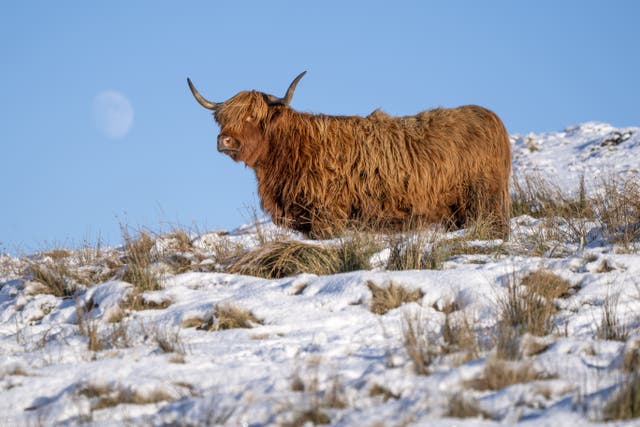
(416, 251)
(52, 276)
(418, 344)
(169, 341)
(286, 258)
(227, 316)
(104, 396)
(139, 262)
(540, 198)
(498, 374)
(460, 406)
(547, 285)
(617, 207)
(625, 403)
(610, 327)
(393, 296)
(380, 390)
(459, 335)
(526, 309)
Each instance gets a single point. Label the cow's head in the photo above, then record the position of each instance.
(242, 119)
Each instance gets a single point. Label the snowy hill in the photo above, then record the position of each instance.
(541, 330)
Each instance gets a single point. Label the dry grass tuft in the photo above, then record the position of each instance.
(617, 207)
(418, 344)
(169, 341)
(89, 327)
(230, 316)
(459, 335)
(138, 270)
(287, 258)
(355, 251)
(52, 276)
(318, 398)
(625, 403)
(380, 390)
(538, 197)
(631, 356)
(525, 310)
(547, 285)
(460, 406)
(416, 251)
(393, 296)
(137, 301)
(315, 416)
(498, 374)
(107, 396)
(610, 327)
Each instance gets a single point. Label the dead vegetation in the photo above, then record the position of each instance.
(610, 326)
(527, 307)
(104, 396)
(461, 406)
(419, 343)
(625, 401)
(498, 374)
(225, 316)
(392, 296)
(286, 258)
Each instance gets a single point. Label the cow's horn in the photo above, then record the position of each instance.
(289, 95)
(206, 104)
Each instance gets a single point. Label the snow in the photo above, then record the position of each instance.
(316, 336)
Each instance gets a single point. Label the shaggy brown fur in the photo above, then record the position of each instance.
(319, 174)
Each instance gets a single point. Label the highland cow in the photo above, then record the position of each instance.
(320, 174)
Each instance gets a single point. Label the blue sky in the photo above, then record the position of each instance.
(540, 65)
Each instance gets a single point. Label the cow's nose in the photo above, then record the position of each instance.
(224, 141)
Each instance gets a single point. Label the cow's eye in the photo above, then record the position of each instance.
(251, 118)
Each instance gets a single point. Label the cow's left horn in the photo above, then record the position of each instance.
(201, 100)
(289, 95)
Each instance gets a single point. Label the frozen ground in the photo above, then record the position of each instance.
(316, 346)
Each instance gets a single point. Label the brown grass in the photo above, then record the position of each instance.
(459, 335)
(355, 250)
(88, 327)
(230, 316)
(524, 309)
(631, 356)
(416, 251)
(318, 399)
(498, 374)
(138, 259)
(53, 277)
(169, 341)
(392, 296)
(625, 401)
(540, 198)
(617, 207)
(380, 390)
(137, 301)
(418, 344)
(547, 285)
(460, 406)
(315, 416)
(287, 258)
(610, 327)
(106, 396)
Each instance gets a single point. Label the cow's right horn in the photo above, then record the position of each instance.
(201, 100)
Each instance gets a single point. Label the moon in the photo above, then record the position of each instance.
(113, 114)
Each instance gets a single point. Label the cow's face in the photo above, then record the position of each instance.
(242, 121)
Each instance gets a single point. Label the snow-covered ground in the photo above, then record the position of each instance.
(315, 346)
